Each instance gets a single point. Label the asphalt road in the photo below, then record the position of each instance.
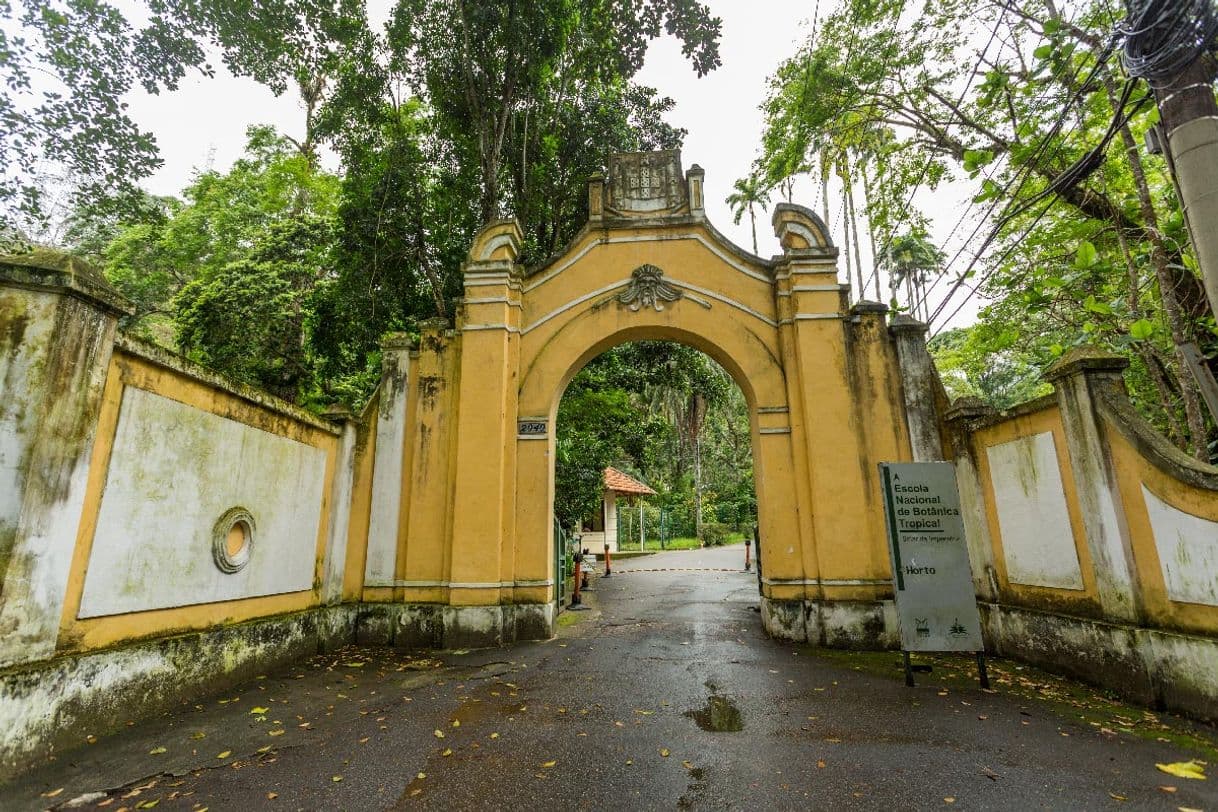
(665, 694)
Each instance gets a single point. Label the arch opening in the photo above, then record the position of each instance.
(653, 452)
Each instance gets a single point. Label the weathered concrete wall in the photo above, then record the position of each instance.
(1103, 539)
(122, 470)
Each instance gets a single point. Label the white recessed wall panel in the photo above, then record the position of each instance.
(1037, 541)
(1188, 551)
(174, 471)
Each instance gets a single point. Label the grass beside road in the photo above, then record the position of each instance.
(681, 543)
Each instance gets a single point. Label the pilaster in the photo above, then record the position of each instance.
(380, 566)
(918, 388)
(335, 560)
(484, 507)
(962, 420)
(1077, 377)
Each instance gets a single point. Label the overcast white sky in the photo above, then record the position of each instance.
(206, 119)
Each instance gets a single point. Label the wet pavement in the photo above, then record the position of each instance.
(665, 694)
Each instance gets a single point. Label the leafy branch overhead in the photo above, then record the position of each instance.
(452, 115)
(1073, 235)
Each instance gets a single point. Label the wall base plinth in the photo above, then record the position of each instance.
(867, 625)
(440, 626)
(1164, 669)
(51, 706)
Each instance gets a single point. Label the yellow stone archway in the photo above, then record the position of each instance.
(820, 379)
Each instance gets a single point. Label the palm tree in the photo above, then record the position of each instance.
(911, 258)
(749, 193)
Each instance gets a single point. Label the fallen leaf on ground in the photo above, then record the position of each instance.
(1116, 797)
(548, 764)
(494, 735)
(278, 732)
(949, 800)
(448, 751)
(689, 765)
(52, 793)
(336, 778)
(421, 776)
(664, 752)
(258, 711)
(199, 735)
(439, 734)
(456, 723)
(355, 664)
(156, 751)
(820, 763)
(225, 754)
(270, 796)
(1184, 769)
(1167, 789)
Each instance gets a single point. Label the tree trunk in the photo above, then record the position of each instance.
(1190, 391)
(698, 489)
(753, 222)
(875, 254)
(854, 228)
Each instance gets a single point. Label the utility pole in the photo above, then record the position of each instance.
(1170, 43)
(1188, 118)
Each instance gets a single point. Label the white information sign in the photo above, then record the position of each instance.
(935, 602)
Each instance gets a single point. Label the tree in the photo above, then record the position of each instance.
(249, 318)
(748, 193)
(1097, 257)
(67, 65)
(913, 259)
(482, 66)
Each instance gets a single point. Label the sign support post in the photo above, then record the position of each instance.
(932, 582)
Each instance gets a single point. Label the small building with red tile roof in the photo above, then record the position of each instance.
(601, 527)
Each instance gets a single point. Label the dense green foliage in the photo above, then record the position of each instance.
(668, 415)
(1005, 96)
(277, 272)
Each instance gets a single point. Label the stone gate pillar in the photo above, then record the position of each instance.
(57, 322)
(482, 574)
(918, 379)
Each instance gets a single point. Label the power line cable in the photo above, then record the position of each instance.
(1163, 37)
(1027, 171)
(1073, 175)
(1036, 157)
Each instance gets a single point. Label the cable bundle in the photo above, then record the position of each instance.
(1163, 37)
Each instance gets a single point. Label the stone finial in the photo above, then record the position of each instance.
(866, 307)
(48, 269)
(694, 177)
(337, 413)
(497, 241)
(1085, 359)
(596, 196)
(799, 227)
(905, 323)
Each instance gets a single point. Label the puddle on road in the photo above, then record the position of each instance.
(719, 716)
